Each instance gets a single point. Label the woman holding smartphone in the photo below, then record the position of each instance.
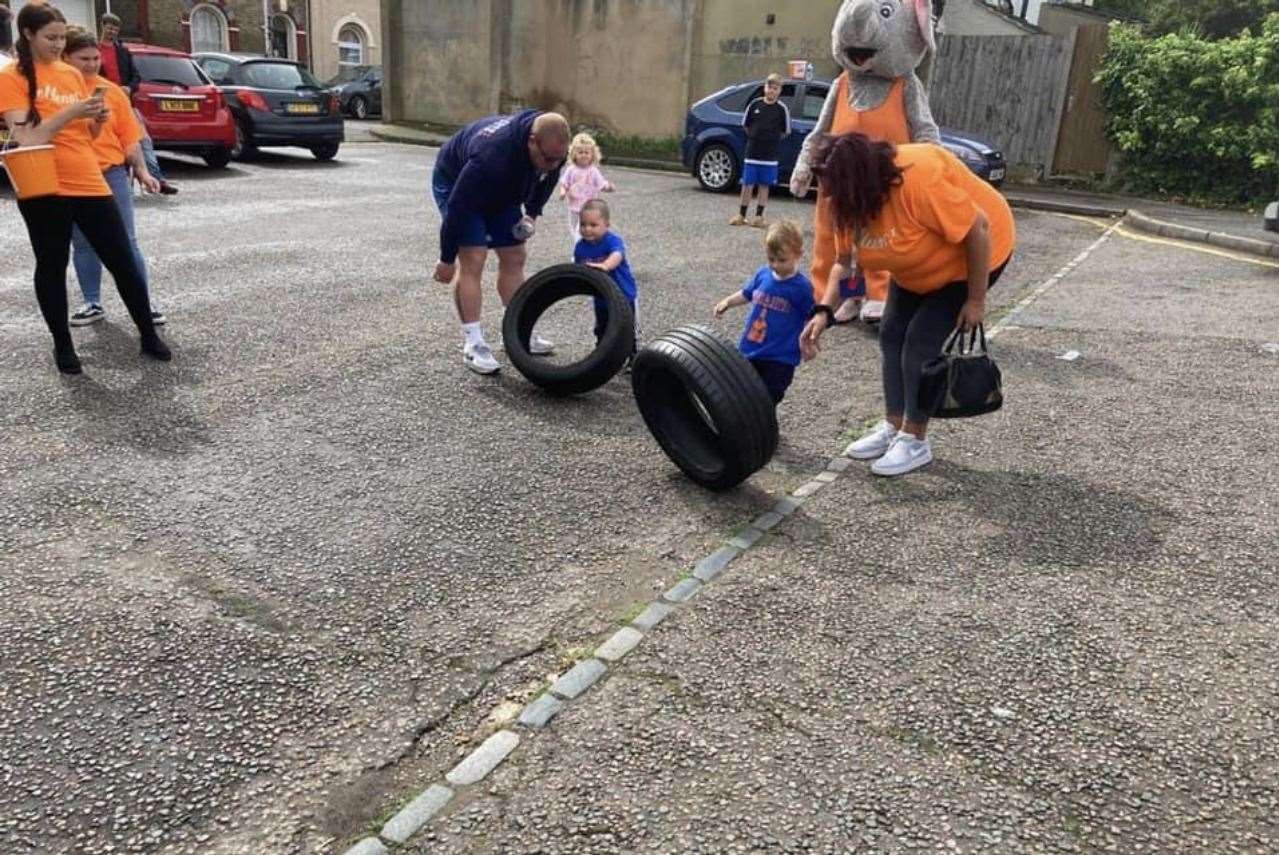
(119, 150)
(47, 102)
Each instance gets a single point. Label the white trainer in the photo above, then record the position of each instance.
(872, 311)
(906, 455)
(539, 346)
(479, 358)
(873, 444)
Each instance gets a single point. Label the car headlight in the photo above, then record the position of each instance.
(968, 156)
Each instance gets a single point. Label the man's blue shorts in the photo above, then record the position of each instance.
(754, 174)
(493, 229)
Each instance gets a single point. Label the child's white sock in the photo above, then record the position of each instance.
(474, 334)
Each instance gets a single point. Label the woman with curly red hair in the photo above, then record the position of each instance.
(944, 234)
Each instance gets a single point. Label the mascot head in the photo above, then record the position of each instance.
(883, 38)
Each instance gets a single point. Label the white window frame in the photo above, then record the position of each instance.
(218, 16)
(362, 45)
(290, 34)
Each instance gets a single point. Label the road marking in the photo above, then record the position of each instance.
(1009, 319)
(1123, 231)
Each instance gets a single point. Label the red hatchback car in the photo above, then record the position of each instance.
(184, 111)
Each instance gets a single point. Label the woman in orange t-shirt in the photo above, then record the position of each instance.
(944, 234)
(47, 102)
(120, 158)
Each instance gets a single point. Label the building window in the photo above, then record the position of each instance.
(284, 39)
(208, 29)
(351, 48)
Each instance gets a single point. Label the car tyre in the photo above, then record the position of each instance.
(244, 149)
(218, 158)
(716, 168)
(706, 406)
(358, 107)
(543, 290)
(325, 151)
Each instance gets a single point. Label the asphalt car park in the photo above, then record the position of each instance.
(258, 598)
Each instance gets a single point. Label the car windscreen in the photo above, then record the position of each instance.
(175, 70)
(278, 75)
(349, 73)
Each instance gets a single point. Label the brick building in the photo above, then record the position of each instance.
(204, 25)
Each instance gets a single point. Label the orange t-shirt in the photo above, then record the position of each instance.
(919, 234)
(121, 130)
(57, 86)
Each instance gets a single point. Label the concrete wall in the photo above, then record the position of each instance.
(628, 66)
(735, 41)
(328, 16)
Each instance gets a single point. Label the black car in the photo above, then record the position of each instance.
(359, 90)
(275, 102)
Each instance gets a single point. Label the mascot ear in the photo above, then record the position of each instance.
(924, 15)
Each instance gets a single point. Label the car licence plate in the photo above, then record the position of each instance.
(167, 106)
(997, 174)
(302, 109)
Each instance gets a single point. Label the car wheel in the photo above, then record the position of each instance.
(358, 108)
(706, 406)
(543, 290)
(325, 151)
(218, 158)
(716, 168)
(244, 149)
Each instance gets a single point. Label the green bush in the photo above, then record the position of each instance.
(1192, 117)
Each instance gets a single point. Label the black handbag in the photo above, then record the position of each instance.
(962, 381)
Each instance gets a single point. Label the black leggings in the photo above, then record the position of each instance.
(49, 220)
(912, 331)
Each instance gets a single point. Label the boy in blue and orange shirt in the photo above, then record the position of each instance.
(604, 250)
(781, 300)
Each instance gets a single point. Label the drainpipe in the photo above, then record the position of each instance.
(266, 27)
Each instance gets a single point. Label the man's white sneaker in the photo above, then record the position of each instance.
(906, 455)
(872, 311)
(479, 358)
(873, 444)
(539, 346)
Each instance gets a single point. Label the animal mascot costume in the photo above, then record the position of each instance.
(878, 44)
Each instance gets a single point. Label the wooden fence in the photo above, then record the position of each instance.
(1009, 89)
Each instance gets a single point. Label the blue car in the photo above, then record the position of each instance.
(715, 141)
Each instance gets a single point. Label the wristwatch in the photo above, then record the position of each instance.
(823, 309)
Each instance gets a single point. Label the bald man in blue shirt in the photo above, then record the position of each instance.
(491, 181)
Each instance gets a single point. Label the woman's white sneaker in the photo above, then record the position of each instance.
(873, 444)
(479, 358)
(539, 346)
(906, 455)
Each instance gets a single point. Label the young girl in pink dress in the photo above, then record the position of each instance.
(582, 181)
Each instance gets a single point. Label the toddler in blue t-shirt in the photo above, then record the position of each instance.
(604, 250)
(781, 300)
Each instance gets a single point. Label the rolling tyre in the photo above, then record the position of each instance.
(717, 168)
(539, 293)
(706, 406)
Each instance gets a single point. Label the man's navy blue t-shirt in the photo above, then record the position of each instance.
(779, 311)
(597, 253)
(488, 165)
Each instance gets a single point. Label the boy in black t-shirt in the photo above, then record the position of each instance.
(767, 123)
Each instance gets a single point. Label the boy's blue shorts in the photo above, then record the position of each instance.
(755, 174)
(852, 287)
(493, 229)
(777, 376)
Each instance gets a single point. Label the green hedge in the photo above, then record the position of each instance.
(1195, 118)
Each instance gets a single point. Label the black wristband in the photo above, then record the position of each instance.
(823, 309)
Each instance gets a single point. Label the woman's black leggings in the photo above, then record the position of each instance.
(49, 220)
(912, 331)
